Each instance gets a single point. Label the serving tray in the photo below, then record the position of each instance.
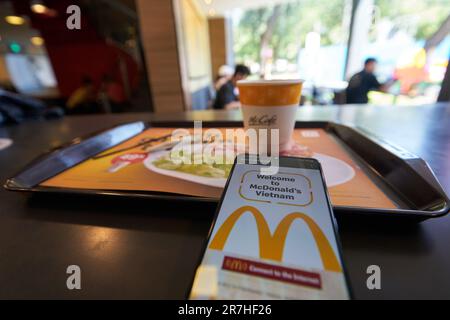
(387, 180)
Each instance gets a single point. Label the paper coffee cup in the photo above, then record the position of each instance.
(271, 104)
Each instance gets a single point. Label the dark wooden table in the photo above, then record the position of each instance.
(148, 250)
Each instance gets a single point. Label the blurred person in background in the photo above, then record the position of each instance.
(364, 81)
(112, 95)
(228, 96)
(83, 99)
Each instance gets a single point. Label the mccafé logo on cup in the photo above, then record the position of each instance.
(271, 104)
(264, 120)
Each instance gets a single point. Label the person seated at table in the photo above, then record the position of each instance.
(227, 97)
(364, 81)
(112, 95)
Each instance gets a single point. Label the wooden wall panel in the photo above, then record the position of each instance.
(218, 42)
(4, 74)
(159, 39)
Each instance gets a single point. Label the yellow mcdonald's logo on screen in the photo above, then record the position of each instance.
(271, 246)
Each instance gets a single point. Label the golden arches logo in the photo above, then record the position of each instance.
(271, 246)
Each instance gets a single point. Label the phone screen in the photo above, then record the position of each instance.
(274, 237)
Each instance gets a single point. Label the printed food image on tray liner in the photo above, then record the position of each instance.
(140, 170)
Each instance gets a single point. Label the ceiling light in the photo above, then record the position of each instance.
(37, 41)
(208, 2)
(15, 20)
(39, 8)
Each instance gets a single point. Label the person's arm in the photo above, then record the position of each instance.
(220, 82)
(375, 84)
(233, 105)
(383, 87)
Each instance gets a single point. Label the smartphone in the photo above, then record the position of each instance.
(274, 236)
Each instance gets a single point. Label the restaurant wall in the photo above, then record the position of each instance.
(159, 39)
(218, 43)
(80, 53)
(175, 40)
(73, 61)
(193, 40)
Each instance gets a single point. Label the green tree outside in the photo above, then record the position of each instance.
(420, 18)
